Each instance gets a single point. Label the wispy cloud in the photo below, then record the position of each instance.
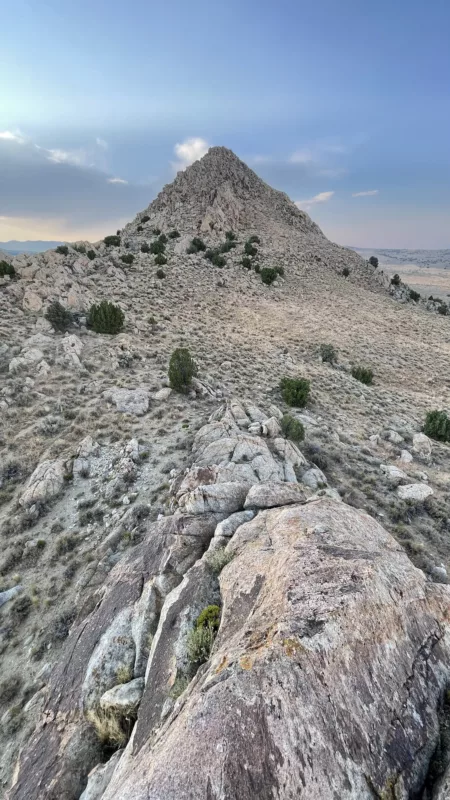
(304, 156)
(101, 143)
(78, 158)
(322, 197)
(116, 180)
(370, 193)
(189, 151)
(13, 136)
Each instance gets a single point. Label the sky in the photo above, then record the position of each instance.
(343, 104)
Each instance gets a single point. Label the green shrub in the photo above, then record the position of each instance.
(145, 219)
(415, 296)
(437, 426)
(230, 236)
(295, 391)
(156, 231)
(373, 261)
(328, 354)
(79, 248)
(443, 309)
(246, 262)
(292, 428)
(363, 374)
(145, 248)
(7, 269)
(62, 249)
(112, 241)
(254, 239)
(160, 259)
(128, 258)
(139, 229)
(209, 616)
(215, 258)
(225, 247)
(160, 273)
(257, 268)
(10, 688)
(268, 275)
(174, 234)
(249, 249)
(157, 247)
(395, 280)
(91, 254)
(106, 317)
(182, 369)
(218, 559)
(163, 238)
(280, 271)
(59, 317)
(201, 638)
(197, 245)
(346, 272)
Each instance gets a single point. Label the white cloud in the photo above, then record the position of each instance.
(116, 180)
(78, 158)
(322, 197)
(189, 151)
(365, 194)
(302, 157)
(101, 143)
(13, 136)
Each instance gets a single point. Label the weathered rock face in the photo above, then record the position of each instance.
(326, 675)
(325, 678)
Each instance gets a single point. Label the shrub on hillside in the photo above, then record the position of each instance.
(160, 273)
(59, 317)
(257, 268)
(145, 219)
(156, 231)
(145, 248)
(106, 318)
(280, 271)
(197, 245)
(395, 280)
(62, 249)
(246, 262)
(413, 295)
(174, 234)
(163, 238)
(292, 428)
(139, 229)
(254, 239)
(160, 259)
(91, 254)
(7, 269)
(373, 261)
(363, 374)
(182, 369)
(345, 272)
(295, 391)
(79, 248)
(225, 247)
(230, 236)
(437, 426)
(443, 309)
(328, 354)
(112, 241)
(128, 258)
(250, 249)
(268, 275)
(157, 247)
(215, 258)
(201, 638)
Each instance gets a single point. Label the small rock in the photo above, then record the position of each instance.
(229, 526)
(271, 494)
(394, 475)
(422, 444)
(163, 394)
(405, 457)
(394, 437)
(124, 697)
(314, 478)
(415, 491)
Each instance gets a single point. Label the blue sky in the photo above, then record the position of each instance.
(343, 104)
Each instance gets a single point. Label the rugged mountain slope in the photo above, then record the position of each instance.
(94, 447)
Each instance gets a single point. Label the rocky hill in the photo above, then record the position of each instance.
(196, 599)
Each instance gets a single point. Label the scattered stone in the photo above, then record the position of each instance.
(129, 401)
(415, 491)
(268, 495)
(123, 698)
(314, 478)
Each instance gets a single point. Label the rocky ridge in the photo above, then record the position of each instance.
(93, 436)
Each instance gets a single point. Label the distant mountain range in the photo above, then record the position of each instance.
(15, 247)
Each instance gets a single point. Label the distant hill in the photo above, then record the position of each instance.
(15, 247)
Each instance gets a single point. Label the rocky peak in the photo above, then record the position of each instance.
(219, 192)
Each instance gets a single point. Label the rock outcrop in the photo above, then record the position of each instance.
(329, 667)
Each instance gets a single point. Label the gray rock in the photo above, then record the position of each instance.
(268, 495)
(100, 777)
(9, 594)
(115, 651)
(394, 475)
(129, 401)
(123, 698)
(229, 526)
(394, 437)
(221, 497)
(415, 491)
(314, 478)
(422, 445)
(46, 482)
